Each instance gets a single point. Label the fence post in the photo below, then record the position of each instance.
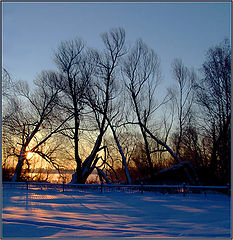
(101, 187)
(184, 189)
(141, 187)
(27, 184)
(228, 189)
(63, 186)
(205, 193)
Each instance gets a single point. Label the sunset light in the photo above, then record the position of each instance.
(30, 155)
(116, 119)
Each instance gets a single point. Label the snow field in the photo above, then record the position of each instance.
(74, 214)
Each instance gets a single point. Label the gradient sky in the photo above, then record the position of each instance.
(32, 31)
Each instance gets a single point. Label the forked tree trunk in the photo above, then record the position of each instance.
(87, 166)
(22, 156)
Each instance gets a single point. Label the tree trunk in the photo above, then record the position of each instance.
(22, 156)
(76, 148)
(102, 176)
(144, 135)
(176, 157)
(128, 178)
(18, 170)
(86, 168)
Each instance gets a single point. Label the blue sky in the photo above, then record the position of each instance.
(32, 31)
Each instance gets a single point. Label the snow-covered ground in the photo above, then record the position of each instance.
(73, 214)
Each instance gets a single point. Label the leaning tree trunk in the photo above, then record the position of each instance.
(102, 176)
(128, 178)
(143, 135)
(176, 157)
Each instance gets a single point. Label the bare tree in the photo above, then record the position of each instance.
(164, 132)
(127, 174)
(115, 118)
(141, 71)
(9, 108)
(35, 112)
(9, 102)
(184, 97)
(70, 61)
(213, 94)
(7, 83)
(100, 95)
(193, 180)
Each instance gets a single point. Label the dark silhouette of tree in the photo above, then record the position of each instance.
(214, 96)
(9, 108)
(99, 95)
(99, 111)
(72, 64)
(183, 98)
(193, 179)
(34, 113)
(141, 71)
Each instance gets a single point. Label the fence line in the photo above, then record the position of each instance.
(119, 187)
